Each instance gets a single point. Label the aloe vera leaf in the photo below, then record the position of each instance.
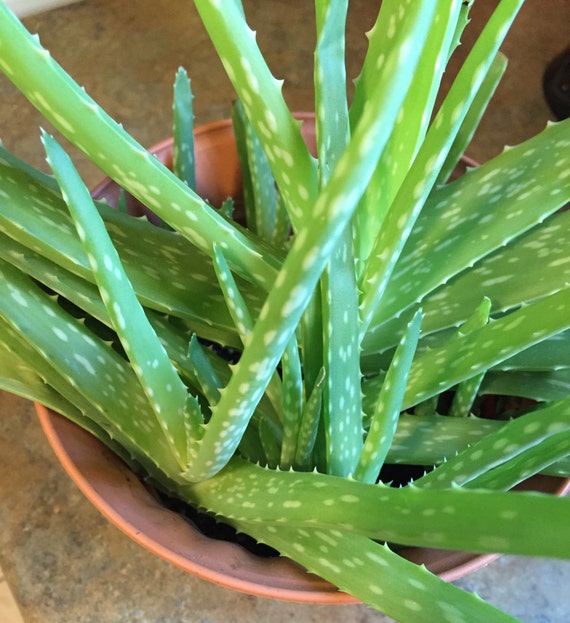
(184, 165)
(413, 119)
(388, 406)
(430, 440)
(208, 379)
(411, 197)
(12, 161)
(292, 165)
(158, 378)
(151, 256)
(341, 358)
(88, 366)
(498, 200)
(550, 354)
(473, 117)
(377, 576)
(282, 231)
(67, 106)
(17, 376)
(239, 122)
(292, 402)
(464, 356)
(242, 318)
(235, 302)
(466, 391)
(270, 438)
(331, 107)
(309, 426)
(462, 22)
(262, 185)
(408, 515)
(24, 372)
(536, 385)
(309, 254)
(86, 296)
(508, 456)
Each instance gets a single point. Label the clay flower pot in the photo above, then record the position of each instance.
(121, 497)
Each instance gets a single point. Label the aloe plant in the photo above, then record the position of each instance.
(365, 288)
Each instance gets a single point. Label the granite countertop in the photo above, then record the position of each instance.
(63, 561)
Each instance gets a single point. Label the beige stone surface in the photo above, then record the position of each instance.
(65, 563)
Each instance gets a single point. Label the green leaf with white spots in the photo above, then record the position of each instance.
(309, 254)
(464, 356)
(96, 372)
(310, 499)
(184, 165)
(412, 122)
(25, 373)
(341, 357)
(505, 201)
(539, 385)
(209, 381)
(291, 402)
(466, 391)
(158, 377)
(550, 354)
(417, 186)
(86, 297)
(260, 195)
(50, 89)
(521, 448)
(387, 409)
(260, 93)
(473, 117)
(379, 577)
(309, 426)
(156, 260)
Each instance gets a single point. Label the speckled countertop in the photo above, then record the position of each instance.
(63, 561)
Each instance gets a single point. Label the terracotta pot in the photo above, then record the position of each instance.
(119, 495)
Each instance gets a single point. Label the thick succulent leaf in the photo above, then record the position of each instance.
(417, 186)
(473, 117)
(155, 260)
(466, 391)
(341, 357)
(86, 297)
(159, 379)
(387, 409)
(19, 377)
(512, 454)
(536, 385)
(210, 382)
(464, 356)
(184, 165)
(430, 440)
(331, 105)
(292, 165)
(260, 195)
(407, 515)
(500, 200)
(309, 426)
(91, 367)
(311, 250)
(48, 87)
(413, 119)
(550, 354)
(379, 577)
(23, 372)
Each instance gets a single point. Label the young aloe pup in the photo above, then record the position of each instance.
(449, 291)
